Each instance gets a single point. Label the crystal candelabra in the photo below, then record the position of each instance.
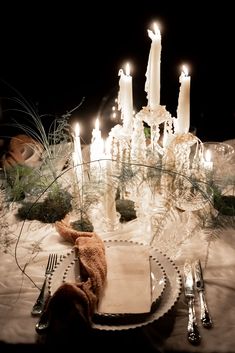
(170, 164)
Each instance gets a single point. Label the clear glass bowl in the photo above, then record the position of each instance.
(220, 151)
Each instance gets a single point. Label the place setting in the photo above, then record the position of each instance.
(142, 285)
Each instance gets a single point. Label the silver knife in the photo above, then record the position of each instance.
(199, 284)
(192, 329)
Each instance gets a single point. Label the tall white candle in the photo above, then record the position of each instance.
(109, 196)
(97, 143)
(125, 97)
(77, 155)
(110, 190)
(152, 84)
(183, 110)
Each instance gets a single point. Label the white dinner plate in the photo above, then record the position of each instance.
(67, 270)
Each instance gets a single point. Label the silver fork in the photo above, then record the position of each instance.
(43, 323)
(39, 304)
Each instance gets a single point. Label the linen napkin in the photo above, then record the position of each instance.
(128, 284)
(78, 300)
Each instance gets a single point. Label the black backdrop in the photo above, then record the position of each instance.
(55, 55)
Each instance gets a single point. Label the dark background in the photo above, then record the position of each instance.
(54, 56)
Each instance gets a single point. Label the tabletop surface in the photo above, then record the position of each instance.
(185, 236)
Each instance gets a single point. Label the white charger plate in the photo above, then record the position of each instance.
(68, 271)
(166, 288)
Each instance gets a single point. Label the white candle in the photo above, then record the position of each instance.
(152, 84)
(110, 203)
(208, 164)
(110, 190)
(125, 97)
(77, 155)
(183, 110)
(96, 133)
(97, 143)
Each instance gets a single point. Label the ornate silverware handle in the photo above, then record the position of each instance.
(39, 305)
(40, 302)
(205, 316)
(193, 332)
(43, 324)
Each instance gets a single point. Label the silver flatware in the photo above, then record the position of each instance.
(40, 302)
(200, 286)
(193, 334)
(43, 323)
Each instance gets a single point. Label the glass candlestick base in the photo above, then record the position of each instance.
(111, 224)
(102, 223)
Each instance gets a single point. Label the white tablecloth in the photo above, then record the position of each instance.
(183, 237)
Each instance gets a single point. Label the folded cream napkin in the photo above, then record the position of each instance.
(128, 285)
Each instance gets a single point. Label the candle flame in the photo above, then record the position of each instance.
(208, 156)
(77, 130)
(155, 34)
(156, 29)
(128, 69)
(185, 70)
(97, 124)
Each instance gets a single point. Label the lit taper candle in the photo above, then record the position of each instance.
(153, 73)
(183, 110)
(77, 155)
(125, 97)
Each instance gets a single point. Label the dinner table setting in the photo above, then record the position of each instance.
(169, 273)
(127, 243)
